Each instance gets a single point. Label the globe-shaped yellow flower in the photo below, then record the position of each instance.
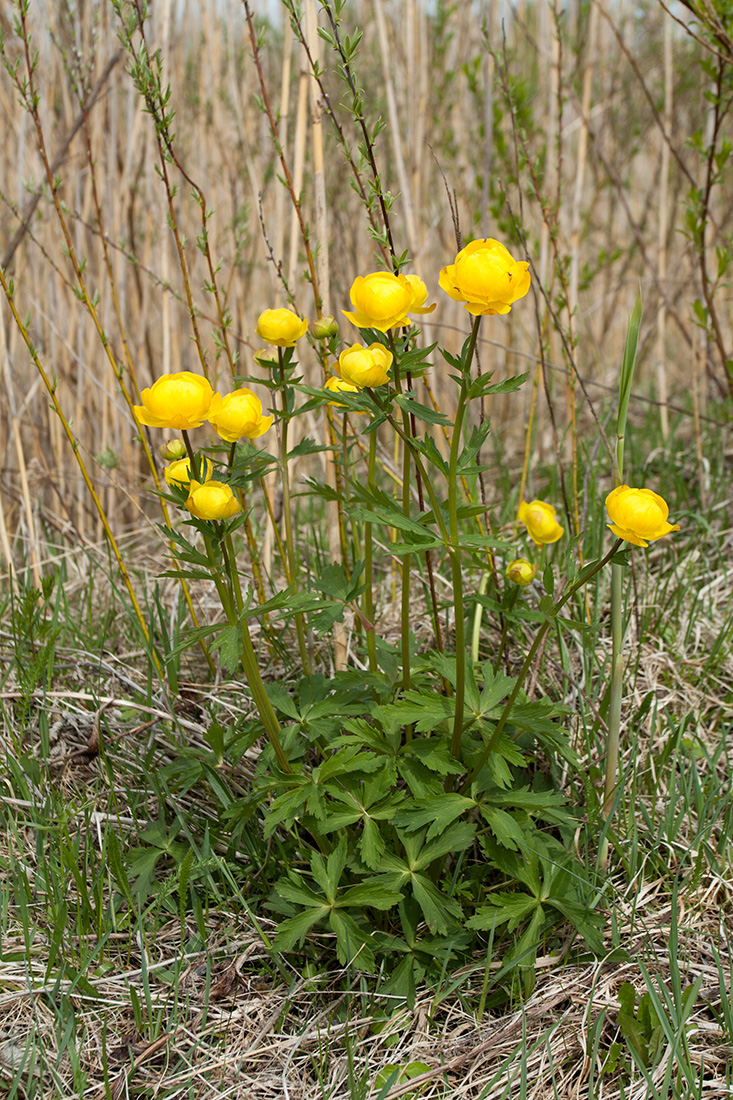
(539, 519)
(638, 516)
(365, 366)
(339, 385)
(281, 327)
(238, 415)
(521, 571)
(214, 500)
(486, 278)
(178, 474)
(381, 300)
(181, 401)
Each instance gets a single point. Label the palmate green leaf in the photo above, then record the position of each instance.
(423, 709)
(504, 908)
(346, 761)
(281, 699)
(189, 552)
(371, 845)
(469, 454)
(299, 894)
(294, 929)
(456, 838)
(505, 828)
(351, 943)
(306, 447)
(368, 895)
(439, 811)
(189, 638)
(440, 911)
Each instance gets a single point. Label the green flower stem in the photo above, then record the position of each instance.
(248, 656)
(551, 619)
(505, 626)
(289, 537)
(345, 493)
(614, 709)
(369, 565)
(454, 548)
(407, 558)
(254, 556)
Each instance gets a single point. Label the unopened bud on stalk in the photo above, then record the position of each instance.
(324, 328)
(266, 357)
(172, 450)
(521, 571)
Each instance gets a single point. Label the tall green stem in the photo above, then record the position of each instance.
(454, 548)
(292, 559)
(368, 564)
(407, 558)
(248, 657)
(585, 576)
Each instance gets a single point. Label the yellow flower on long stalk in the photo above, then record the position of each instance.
(213, 500)
(486, 278)
(365, 366)
(381, 300)
(180, 401)
(638, 516)
(539, 518)
(238, 415)
(281, 327)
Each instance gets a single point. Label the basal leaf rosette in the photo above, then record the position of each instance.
(180, 401)
(281, 327)
(486, 278)
(213, 500)
(238, 415)
(638, 516)
(539, 518)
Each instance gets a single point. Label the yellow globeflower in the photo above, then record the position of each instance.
(539, 519)
(281, 327)
(419, 295)
(179, 401)
(521, 571)
(178, 474)
(339, 385)
(381, 300)
(365, 366)
(238, 415)
(214, 500)
(486, 278)
(638, 516)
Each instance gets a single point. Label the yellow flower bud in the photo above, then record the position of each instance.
(324, 328)
(539, 519)
(172, 450)
(638, 516)
(238, 415)
(214, 500)
(381, 300)
(486, 278)
(178, 474)
(365, 366)
(179, 401)
(267, 358)
(281, 327)
(521, 571)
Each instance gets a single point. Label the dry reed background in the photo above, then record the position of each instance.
(595, 90)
